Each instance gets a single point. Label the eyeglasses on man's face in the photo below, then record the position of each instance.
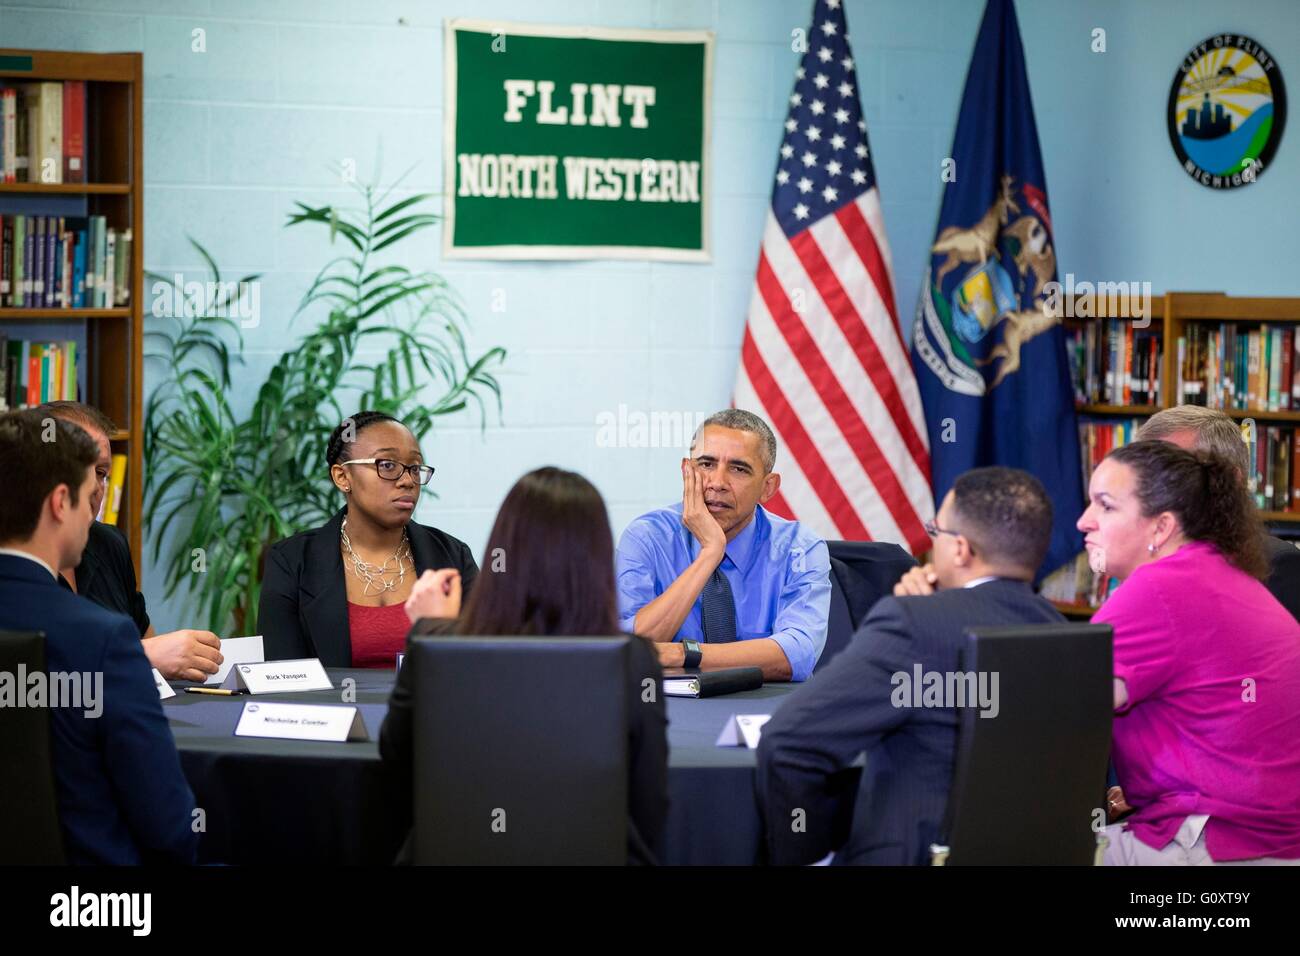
(933, 530)
(390, 470)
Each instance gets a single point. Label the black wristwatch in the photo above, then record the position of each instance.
(693, 653)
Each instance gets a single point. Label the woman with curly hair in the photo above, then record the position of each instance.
(1207, 663)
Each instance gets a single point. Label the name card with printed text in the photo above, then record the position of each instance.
(278, 677)
(743, 730)
(334, 722)
(165, 689)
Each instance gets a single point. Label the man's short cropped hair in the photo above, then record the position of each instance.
(741, 420)
(40, 452)
(1215, 432)
(1006, 515)
(79, 413)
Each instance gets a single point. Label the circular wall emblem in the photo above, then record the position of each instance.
(1227, 108)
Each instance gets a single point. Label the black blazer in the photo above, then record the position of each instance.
(303, 611)
(822, 727)
(122, 798)
(1284, 573)
(647, 731)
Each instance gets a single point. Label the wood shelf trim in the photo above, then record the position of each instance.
(1130, 410)
(21, 315)
(67, 189)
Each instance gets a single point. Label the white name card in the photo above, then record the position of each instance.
(237, 650)
(301, 722)
(278, 677)
(743, 730)
(164, 689)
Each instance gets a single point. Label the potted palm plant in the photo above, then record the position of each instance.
(221, 486)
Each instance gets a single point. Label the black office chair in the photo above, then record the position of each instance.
(862, 572)
(29, 817)
(1024, 788)
(521, 750)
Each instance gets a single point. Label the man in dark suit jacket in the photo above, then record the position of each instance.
(122, 798)
(991, 534)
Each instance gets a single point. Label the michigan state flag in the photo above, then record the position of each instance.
(989, 355)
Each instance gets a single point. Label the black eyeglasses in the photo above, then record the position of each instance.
(933, 530)
(390, 470)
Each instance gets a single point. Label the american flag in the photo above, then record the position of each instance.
(823, 359)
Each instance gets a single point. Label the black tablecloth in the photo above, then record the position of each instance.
(298, 801)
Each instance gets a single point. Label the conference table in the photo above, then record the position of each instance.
(272, 801)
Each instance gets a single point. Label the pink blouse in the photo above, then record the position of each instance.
(1212, 723)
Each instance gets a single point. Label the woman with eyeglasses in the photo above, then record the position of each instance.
(337, 592)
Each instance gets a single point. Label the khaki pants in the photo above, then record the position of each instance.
(1187, 848)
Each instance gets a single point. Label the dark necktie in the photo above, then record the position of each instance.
(718, 609)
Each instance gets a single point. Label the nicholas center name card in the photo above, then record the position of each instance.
(334, 722)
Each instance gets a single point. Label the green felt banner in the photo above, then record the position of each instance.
(576, 142)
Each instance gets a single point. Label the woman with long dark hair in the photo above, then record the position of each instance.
(1207, 663)
(550, 561)
(337, 592)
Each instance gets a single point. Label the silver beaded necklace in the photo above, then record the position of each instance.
(375, 575)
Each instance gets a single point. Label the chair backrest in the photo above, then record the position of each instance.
(521, 750)
(1028, 778)
(862, 572)
(29, 815)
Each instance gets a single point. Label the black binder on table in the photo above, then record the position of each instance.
(693, 682)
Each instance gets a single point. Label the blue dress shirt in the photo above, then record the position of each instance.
(779, 575)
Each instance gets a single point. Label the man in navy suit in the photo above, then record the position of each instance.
(122, 798)
(990, 536)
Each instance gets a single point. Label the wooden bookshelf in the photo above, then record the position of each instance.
(1171, 314)
(113, 357)
(1214, 308)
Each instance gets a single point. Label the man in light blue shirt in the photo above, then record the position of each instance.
(717, 580)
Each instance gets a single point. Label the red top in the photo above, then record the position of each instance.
(378, 634)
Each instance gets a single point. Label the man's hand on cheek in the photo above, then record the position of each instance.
(695, 513)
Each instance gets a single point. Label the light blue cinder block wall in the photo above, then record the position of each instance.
(289, 88)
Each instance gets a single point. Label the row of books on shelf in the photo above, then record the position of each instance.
(1113, 363)
(1239, 368)
(63, 262)
(1274, 481)
(36, 372)
(43, 132)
